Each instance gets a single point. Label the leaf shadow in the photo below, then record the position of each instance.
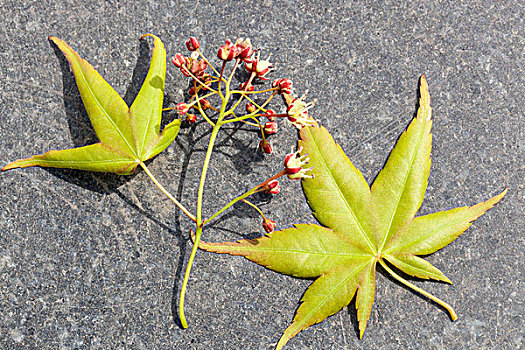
(139, 72)
(352, 313)
(80, 128)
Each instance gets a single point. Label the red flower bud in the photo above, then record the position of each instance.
(250, 108)
(284, 85)
(205, 104)
(272, 187)
(245, 48)
(191, 118)
(182, 108)
(193, 44)
(179, 60)
(270, 127)
(268, 225)
(228, 51)
(266, 146)
(269, 115)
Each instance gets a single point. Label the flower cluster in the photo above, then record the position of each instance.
(211, 84)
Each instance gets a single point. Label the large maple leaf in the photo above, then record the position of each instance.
(363, 226)
(128, 135)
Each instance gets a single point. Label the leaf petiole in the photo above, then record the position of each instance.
(449, 308)
(173, 199)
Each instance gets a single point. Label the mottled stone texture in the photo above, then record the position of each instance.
(93, 261)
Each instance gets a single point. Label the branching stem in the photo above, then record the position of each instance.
(200, 195)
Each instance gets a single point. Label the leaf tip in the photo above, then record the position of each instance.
(453, 315)
(54, 39)
(20, 163)
(9, 166)
(423, 91)
(154, 37)
(146, 35)
(361, 332)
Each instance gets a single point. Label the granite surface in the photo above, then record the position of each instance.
(94, 261)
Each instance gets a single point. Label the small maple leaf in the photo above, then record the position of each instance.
(128, 135)
(364, 226)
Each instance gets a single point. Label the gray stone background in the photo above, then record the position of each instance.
(94, 261)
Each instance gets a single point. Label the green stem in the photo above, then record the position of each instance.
(230, 203)
(449, 308)
(238, 119)
(200, 195)
(182, 317)
(242, 196)
(254, 207)
(177, 203)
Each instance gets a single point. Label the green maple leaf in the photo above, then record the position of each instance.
(363, 226)
(128, 135)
